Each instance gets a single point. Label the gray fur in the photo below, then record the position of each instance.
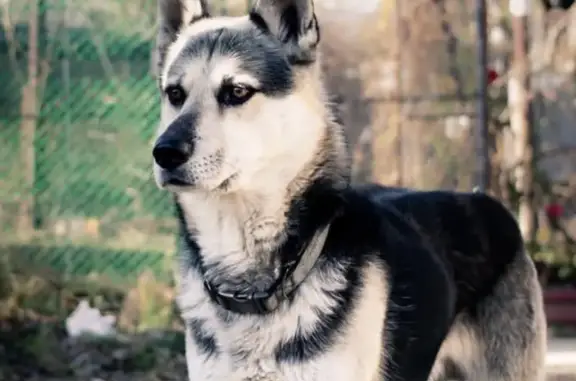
(506, 341)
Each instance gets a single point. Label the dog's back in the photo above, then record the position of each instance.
(500, 330)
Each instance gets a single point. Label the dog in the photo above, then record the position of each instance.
(287, 271)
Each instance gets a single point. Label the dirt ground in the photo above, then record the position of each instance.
(562, 377)
(42, 352)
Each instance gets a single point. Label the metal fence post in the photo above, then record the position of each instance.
(399, 146)
(482, 134)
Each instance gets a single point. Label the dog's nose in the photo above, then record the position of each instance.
(171, 154)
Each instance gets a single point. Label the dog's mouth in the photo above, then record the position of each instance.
(177, 181)
(225, 184)
(174, 179)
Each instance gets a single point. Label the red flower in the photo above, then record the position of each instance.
(492, 76)
(554, 210)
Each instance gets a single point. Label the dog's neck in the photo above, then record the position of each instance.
(243, 240)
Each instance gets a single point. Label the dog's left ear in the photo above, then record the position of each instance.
(293, 22)
(173, 16)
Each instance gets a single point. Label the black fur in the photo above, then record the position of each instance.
(182, 129)
(171, 21)
(292, 26)
(203, 340)
(305, 347)
(259, 21)
(445, 252)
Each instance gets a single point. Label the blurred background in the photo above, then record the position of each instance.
(452, 94)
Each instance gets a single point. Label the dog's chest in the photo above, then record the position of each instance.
(335, 365)
(246, 349)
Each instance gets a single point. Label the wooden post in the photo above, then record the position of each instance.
(520, 120)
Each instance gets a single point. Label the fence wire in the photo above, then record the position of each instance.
(79, 107)
(78, 112)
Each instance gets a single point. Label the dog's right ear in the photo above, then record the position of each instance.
(293, 22)
(173, 15)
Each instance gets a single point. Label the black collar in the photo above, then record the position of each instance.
(292, 276)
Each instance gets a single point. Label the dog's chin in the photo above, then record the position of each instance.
(182, 184)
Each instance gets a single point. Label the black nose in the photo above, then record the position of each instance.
(170, 154)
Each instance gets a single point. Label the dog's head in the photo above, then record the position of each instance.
(242, 100)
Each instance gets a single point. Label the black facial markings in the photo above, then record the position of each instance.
(258, 54)
(204, 340)
(230, 94)
(182, 129)
(214, 43)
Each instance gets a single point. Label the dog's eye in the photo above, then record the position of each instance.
(235, 95)
(176, 95)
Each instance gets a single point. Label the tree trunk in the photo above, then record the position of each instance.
(29, 113)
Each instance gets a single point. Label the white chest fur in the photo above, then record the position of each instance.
(246, 345)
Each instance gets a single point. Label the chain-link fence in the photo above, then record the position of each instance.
(78, 111)
(79, 106)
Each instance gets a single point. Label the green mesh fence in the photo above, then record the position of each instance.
(78, 110)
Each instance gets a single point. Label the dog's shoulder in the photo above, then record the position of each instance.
(469, 217)
(421, 296)
(444, 252)
(473, 235)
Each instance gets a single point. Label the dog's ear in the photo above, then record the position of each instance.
(293, 22)
(173, 15)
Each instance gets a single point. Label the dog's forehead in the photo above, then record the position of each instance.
(228, 47)
(215, 23)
